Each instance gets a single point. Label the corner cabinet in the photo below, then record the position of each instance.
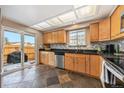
(54, 37)
(94, 32)
(116, 23)
(104, 30)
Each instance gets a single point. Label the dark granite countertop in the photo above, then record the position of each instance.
(63, 51)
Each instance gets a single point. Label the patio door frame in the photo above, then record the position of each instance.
(29, 34)
(22, 33)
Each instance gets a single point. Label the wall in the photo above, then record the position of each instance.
(12, 24)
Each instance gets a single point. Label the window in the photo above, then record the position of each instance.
(77, 37)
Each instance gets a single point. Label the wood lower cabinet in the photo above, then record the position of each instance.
(47, 58)
(95, 65)
(82, 63)
(87, 64)
(94, 32)
(75, 62)
(69, 61)
(40, 57)
(104, 30)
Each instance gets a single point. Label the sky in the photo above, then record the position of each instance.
(15, 37)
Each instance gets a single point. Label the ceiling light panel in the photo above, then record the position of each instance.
(37, 27)
(54, 21)
(44, 25)
(86, 11)
(68, 17)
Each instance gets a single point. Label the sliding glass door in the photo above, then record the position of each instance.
(18, 50)
(11, 51)
(29, 49)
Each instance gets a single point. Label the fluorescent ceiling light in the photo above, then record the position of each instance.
(86, 11)
(44, 25)
(37, 27)
(68, 17)
(54, 21)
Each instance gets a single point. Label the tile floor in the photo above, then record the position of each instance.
(43, 76)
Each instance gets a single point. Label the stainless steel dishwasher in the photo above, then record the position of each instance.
(59, 60)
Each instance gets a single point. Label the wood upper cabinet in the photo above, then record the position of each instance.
(94, 32)
(47, 38)
(61, 36)
(116, 23)
(95, 65)
(54, 37)
(104, 30)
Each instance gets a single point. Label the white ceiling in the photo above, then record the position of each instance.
(33, 14)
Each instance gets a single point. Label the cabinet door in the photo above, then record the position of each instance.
(104, 30)
(94, 32)
(75, 62)
(95, 65)
(71, 60)
(40, 57)
(51, 58)
(81, 63)
(66, 62)
(54, 37)
(49, 38)
(61, 36)
(69, 64)
(116, 23)
(87, 64)
(45, 36)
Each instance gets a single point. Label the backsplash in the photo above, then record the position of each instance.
(90, 46)
(103, 44)
(66, 46)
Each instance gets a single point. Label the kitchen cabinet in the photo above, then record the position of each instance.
(104, 30)
(75, 62)
(83, 63)
(94, 32)
(61, 36)
(87, 64)
(116, 23)
(54, 37)
(47, 58)
(51, 58)
(69, 61)
(95, 65)
(47, 38)
(40, 57)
